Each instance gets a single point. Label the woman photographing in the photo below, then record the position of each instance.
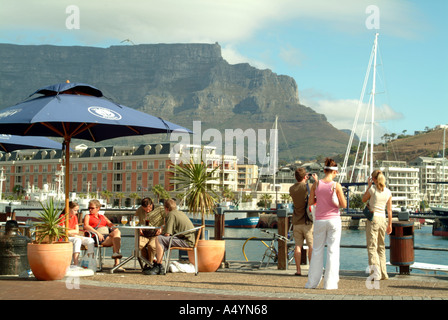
(380, 199)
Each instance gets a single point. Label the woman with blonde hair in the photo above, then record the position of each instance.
(380, 199)
(98, 224)
(327, 228)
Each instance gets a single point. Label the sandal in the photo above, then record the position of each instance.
(116, 255)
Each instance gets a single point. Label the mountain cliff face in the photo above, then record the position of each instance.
(178, 82)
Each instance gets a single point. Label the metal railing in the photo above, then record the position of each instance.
(223, 211)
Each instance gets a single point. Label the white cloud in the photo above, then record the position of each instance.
(167, 21)
(232, 56)
(341, 113)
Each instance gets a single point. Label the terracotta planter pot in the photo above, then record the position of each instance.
(50, 261)
(210, 255)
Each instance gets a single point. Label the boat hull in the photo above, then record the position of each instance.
(440, 211)
(251, 222)
(440, 227)
(232, 219)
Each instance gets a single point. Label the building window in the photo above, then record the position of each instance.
(118, 166)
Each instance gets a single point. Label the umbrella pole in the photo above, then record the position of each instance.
(66, 186)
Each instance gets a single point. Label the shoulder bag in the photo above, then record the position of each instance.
(367, 212)
(310, 209)
(334, 196)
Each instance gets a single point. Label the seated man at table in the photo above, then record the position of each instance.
(148, 215)
(176, 221)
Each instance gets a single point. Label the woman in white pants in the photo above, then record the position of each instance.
(73, 233)
(380, 200)
(327, 228)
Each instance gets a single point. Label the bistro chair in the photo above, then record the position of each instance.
(100, 251)
(198, 231)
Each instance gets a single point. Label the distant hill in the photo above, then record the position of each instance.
(180, 83)
(428, 144)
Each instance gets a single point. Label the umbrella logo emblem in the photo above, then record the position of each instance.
(104, 113)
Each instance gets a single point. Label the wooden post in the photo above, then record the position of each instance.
(282, 225)
(219, 223)
(219, 229)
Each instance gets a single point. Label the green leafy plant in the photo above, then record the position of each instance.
(48, 227)
(198, 181)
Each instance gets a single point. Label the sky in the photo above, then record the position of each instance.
(324, 45)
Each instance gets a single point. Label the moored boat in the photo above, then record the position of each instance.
(440, 226)
(231, 219)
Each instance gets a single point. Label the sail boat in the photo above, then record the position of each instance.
(366, 165)
(367, 158)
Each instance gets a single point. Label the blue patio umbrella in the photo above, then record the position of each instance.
(9, 143)
(78, 110)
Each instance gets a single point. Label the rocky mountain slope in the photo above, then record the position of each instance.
(181, 83)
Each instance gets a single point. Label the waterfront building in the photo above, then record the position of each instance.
(403, 182)
(117, 169)
(432, 170)
(247, 177)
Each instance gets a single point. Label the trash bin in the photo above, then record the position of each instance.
(402, 245)
(13, 251)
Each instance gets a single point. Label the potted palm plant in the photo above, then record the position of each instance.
(201, 199)
(48, 256)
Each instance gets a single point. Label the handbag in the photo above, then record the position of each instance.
(103, 230)
(367, 213)
(310, 210)
(334, 196)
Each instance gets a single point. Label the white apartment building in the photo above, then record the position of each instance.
(225, 174)
(403, 182)
(432, 170)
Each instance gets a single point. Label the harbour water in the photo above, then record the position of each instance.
(351, 258)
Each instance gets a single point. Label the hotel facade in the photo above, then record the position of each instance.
(118, 169)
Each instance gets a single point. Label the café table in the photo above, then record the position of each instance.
(136, 255)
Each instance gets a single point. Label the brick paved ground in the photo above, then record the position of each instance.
(235, 283)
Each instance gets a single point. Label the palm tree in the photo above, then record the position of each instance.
(285, 197)
(160, 192)
(266, 198)
(200, 196)
(120, 196)
(107, 195)
(247, 198)
(228, 194)
(134, 196)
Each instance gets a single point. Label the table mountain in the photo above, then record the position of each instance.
(178, 82)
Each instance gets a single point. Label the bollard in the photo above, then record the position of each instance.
(282, 226)
(219, 223)
(219, 230)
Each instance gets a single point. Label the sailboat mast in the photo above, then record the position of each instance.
(373, 103)
(275, 157)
